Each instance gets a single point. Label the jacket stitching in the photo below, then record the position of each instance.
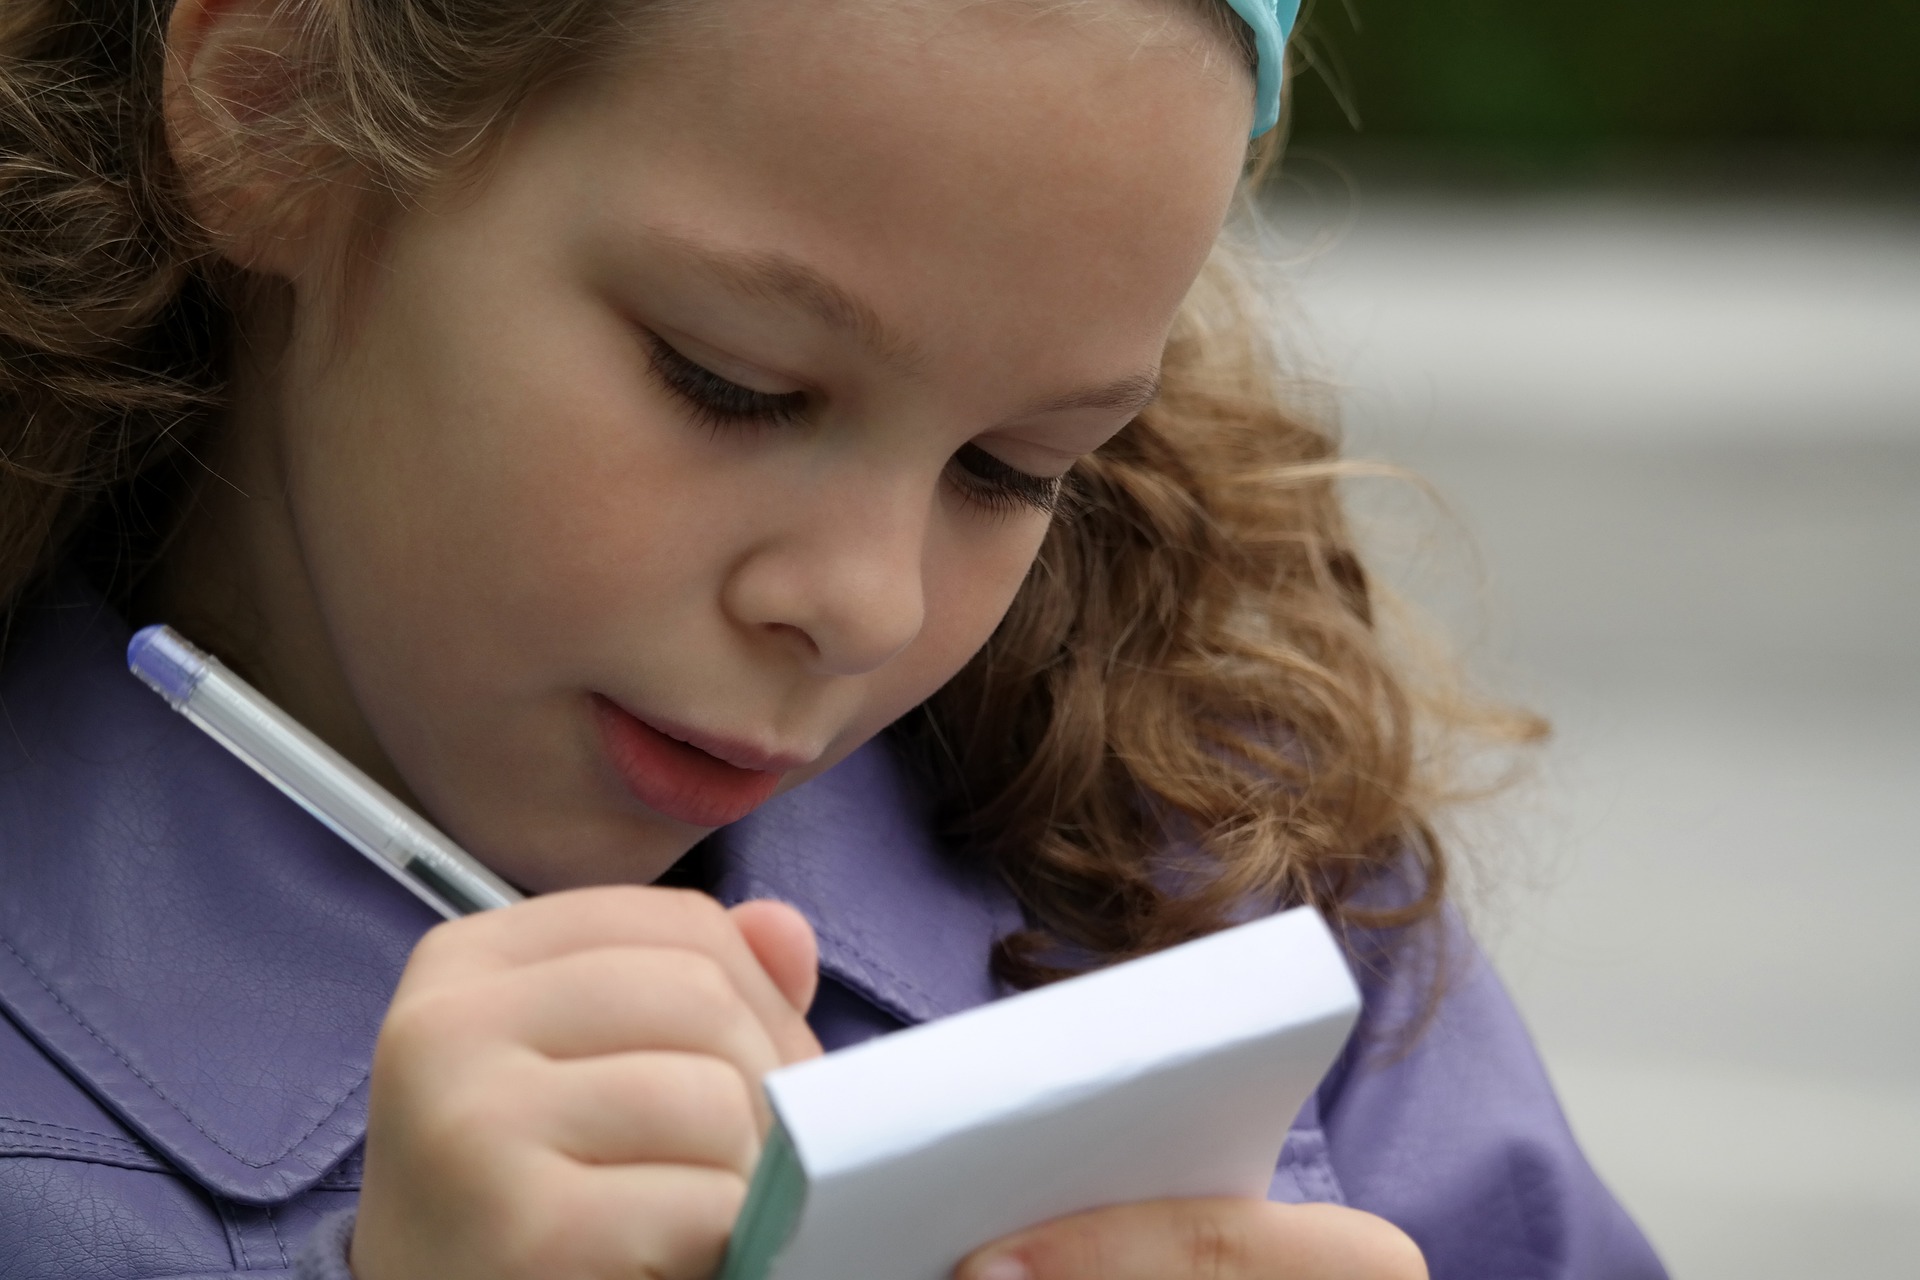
(273, 1225)
(102, 1143)
(54, 1139)
(127, 1156)
(49, 1147)
(236, 1236)
(27, 1123)
(345, 1176)
(160, 1093)
(93, 1160)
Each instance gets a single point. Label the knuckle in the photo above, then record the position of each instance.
(703, 978)
(620, 904)
(432, 1020)
(719, 1099)
(713, 1089)
(705, 922)
(1216, 1249)
(700, 909)
(1075, 1247)
(437, 947)
(413, 1029)
(469, 1121)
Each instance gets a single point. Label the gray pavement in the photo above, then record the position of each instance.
(1685, 438)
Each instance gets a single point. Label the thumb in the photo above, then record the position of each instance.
(782, 941)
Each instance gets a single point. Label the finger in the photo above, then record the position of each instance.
(782, 940)
(1214, 1239)
(560, 924)
(652, 1108)
(657, 1220)
(625, 1000)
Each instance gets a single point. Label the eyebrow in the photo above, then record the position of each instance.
(1129, 395)
(778, 277)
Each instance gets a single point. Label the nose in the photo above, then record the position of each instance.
(843, 580)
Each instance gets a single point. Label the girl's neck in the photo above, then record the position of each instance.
(231, 575)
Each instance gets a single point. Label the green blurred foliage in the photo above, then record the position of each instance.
(1530, 72)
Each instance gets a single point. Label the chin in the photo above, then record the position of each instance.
(573, 852)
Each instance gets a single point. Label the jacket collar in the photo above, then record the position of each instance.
(900, 920)
(213, 965)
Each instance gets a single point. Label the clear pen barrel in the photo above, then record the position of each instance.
(321, 781)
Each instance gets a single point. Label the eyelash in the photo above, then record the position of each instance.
(719, 403)
(999, 487)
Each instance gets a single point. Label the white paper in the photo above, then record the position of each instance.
(1174, 1075)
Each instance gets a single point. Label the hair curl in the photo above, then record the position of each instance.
(1189, 707)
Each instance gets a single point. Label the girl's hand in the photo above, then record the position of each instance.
(1204, 1240)
(570, 1088)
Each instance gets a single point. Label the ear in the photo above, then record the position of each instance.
(232, 75)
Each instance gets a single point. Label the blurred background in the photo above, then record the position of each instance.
(1637, 287)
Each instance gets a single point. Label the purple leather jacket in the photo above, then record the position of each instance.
(193, 973)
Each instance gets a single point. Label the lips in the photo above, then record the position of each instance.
(679, 780)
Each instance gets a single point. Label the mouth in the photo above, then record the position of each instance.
(689, 777)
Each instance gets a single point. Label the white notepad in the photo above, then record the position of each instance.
(1170, 1076)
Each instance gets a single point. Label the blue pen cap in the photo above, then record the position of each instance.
(160, 656)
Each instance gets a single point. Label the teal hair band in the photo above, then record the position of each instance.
(1272, 23)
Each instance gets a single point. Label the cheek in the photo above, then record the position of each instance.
(972, 577)
(500, 483)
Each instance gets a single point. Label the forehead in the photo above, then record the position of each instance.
(1011, 111)
(996, 180)
(1208, 24)
(997, 56)
(1186, 24)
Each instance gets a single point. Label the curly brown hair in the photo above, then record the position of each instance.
(1188, 709)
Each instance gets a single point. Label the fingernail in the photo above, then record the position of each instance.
(1007, 1266)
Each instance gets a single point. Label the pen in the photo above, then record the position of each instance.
(318, 778)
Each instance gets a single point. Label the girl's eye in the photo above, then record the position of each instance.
(720, 402)
(995, 485)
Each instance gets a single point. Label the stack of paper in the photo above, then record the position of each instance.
(1174, 1075)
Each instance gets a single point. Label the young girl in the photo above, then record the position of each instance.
(807, 453)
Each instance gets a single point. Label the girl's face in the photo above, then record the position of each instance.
(726, 409)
